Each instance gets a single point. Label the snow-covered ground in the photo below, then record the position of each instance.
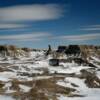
(3, 97)
(82, 89)
(36, 67)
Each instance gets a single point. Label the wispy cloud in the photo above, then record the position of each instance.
(26, 37)
(91, 28)
(33, 12)
(83, 37)
(11, 26)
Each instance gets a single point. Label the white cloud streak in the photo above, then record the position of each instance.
(83, 37)
(31, 12)
(26, 37)
(91, 28)
(11, 26)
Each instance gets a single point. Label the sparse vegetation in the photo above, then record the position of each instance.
(35, 73)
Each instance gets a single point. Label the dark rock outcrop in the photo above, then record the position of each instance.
(61, 49)
(73, 49)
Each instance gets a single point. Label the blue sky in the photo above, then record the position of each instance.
(37, 23)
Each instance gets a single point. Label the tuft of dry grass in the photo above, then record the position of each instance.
(91, 80)
(44, 89)
(1, 87)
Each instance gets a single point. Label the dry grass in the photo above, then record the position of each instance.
(44, 89)
(91, 80)
(47, 88)
(1, 88)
